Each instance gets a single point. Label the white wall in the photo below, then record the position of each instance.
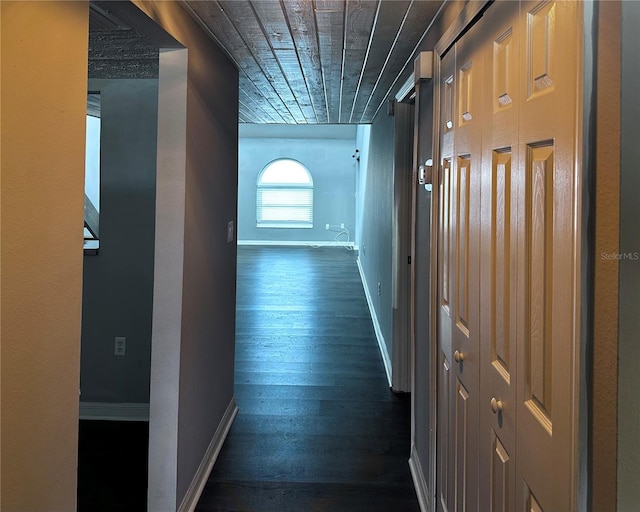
(44, 85)
(168, 278)
(326, 151)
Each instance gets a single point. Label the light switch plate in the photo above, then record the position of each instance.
(230, 233)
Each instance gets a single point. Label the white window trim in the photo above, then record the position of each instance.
(284, 223)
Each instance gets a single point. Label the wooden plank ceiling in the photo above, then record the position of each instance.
(316, 61)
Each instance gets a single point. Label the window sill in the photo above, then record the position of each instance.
(283, 225)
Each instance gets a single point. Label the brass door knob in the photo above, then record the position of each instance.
(458, 356)
(496, 405)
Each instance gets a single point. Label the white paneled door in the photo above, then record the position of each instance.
(508, 261)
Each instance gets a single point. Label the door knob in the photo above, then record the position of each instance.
(458, 356)
(496, 405)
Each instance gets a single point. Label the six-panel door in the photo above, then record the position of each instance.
(508, 261)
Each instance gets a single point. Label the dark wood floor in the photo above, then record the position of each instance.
(318, 427)
(112, 466)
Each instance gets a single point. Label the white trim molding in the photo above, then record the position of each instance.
(419, 482)
(376, 325)
(298, 243)
(194, 491)
(114, 411)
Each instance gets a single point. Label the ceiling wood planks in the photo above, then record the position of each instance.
(359, 24)
(302, 24)
(315, 61)
(385, 35)
(410, 33)
(330, 27)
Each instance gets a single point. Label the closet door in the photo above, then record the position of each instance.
(464, 275)
(509, 258)
(530, 258)
(445, 472)
(459, 219)
(549, 257)
(502, 211)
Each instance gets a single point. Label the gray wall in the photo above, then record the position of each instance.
(363, 135)
(203, 391)
(629, 310)
(375, 252)
(118, 282)
(326, 151)
(209, 284)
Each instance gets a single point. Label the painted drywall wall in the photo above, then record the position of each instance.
(605, 284)
(44, 80)
(118, 282)
(327, 152)
(198, 398)
(168, 276)
(375, 251)
(363, 135)
(628, 345)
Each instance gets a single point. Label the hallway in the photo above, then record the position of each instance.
(318, 427)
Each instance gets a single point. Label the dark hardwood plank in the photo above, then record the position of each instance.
(318, 427)
(112, 466)
(296, 497)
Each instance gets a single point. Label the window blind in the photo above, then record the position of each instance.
(285, 206)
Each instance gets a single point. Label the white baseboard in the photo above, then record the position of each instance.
(419, 482)
(376, 325)
(297, 243)
(114, 411)
(194, 491)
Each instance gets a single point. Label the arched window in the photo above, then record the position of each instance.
(285, 195)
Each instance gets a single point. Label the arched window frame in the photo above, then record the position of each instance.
(284, 203)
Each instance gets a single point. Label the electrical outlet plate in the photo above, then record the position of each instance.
(120, 346)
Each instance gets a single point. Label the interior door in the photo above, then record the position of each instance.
(445, 465)
(549, 257)
(509, 261)
(464, 276)
(459, 352)
(502, 214)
